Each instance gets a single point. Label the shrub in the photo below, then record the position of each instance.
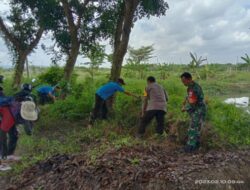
(77, 105)
(7, 87)
(72, 107)
(52, 76)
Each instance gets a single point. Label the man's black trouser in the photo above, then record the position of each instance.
(44, 98)
(8, 146)
(147, 118)
(100, 110)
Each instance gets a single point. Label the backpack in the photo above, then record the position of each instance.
(5, 101)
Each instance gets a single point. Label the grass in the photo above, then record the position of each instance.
(62, 127)
(231, 123)
(65, 138)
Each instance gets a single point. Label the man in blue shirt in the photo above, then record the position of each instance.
(102, 95)
(47, 94)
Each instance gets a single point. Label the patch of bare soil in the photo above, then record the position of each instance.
(140, 168)
(3, 182)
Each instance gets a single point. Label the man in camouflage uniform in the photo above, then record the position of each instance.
(195, 106)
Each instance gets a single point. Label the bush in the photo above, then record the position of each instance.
(72, 107)
(127, 111)
(77, 105)
(7, 87)
(52, 76)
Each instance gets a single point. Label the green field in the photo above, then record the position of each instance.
(62, 127)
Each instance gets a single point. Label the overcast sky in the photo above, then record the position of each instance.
(216, 29)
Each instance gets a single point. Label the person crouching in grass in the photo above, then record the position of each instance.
(103, 94)
(47, 94)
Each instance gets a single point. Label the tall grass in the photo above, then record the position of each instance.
(230, 123)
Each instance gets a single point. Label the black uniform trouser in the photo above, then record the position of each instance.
(147, 118)
(100, 110)
(44, 98)
(8, 145)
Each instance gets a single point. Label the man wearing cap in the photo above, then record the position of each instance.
(196, 108)
(103, 94)
(155, 106)
(47, 94)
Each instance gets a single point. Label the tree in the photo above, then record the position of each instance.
(138, 58)
(86, 21)
(196, 62)
(74, 26)
(74, 9)
(141, 69)
(246, 59)
(123, 14)
(96, 55)
(21, 37)
(142, 54)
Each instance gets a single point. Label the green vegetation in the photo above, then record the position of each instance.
(52, 76)
(21, 37)
(62, 127)
(137, 61)
(74, 32)
(96, 56)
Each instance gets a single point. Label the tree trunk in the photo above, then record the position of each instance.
(27, 69)
(19, 68)
(70, 64)
(75, 43)
(122, 34)
(22, 54)
(117, 63)
(123, 29)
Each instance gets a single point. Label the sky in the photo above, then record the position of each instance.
(216, 29)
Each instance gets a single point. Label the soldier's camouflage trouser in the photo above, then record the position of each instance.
(197, 121)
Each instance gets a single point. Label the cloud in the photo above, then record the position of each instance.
(218, 30)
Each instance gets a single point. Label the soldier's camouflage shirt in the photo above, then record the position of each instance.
(195, 95)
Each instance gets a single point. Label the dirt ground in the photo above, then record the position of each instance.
(139, 168)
